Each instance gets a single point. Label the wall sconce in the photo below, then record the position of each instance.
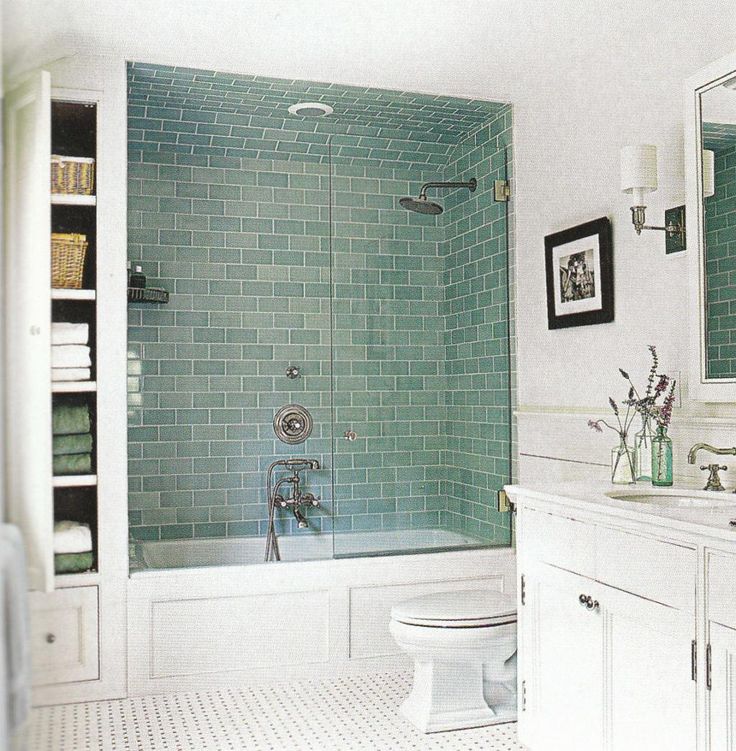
(639, 176)
(709, 173)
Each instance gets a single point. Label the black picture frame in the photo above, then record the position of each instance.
(593, 294)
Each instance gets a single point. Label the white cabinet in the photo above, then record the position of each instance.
(76, 109)
(722, 705)
(559, 637)
(721, 650)
(606, 634)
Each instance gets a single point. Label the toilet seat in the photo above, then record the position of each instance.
(464, 609)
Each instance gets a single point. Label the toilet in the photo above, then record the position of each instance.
(464, 649)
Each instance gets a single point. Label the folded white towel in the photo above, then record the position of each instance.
(69, 333)
(70, 374)
(16, 649)
(70, 356)
(72, 537)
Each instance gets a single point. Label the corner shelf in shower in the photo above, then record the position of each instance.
(148, 295)
(74, 481)
(73, 387)
(70, 199)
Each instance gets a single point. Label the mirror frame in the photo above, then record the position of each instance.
(700, 388)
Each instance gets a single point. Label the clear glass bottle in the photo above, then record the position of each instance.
(643, 450)
(622, 463)
(661, 458)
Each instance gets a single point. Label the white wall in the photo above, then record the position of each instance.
(567, 140)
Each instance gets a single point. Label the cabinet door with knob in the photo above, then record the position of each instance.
(64, 636)
(561, 653)
(603, 667)
(721, 650)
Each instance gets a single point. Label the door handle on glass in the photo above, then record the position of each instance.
(350, 435)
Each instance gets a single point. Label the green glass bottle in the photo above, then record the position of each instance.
(661, 458)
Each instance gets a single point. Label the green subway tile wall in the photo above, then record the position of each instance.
(280, 254)
(477, 318)
(720, 238)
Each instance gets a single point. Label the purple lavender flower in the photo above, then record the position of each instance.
(595, 425)
(614, 406)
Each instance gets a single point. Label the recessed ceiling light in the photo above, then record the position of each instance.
(311, 109)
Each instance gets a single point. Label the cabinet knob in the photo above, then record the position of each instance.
(588, 602)
(50, 638)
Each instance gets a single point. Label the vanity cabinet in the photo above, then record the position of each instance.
(721, 649)
(606, 637)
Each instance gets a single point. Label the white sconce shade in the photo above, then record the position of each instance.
(639, 171)
(709, 173)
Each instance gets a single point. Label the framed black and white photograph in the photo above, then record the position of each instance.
(579, 270)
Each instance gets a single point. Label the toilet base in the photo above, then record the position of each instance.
(454, 696)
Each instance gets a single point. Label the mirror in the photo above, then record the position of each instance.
(718, 191)
(710, 160)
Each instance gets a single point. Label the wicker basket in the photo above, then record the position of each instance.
(68, 252)
(72, 175)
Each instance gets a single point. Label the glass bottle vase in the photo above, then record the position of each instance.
(661, 458)
(643, 450)
(622, 463)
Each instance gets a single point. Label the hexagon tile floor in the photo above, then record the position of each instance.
(358, 713)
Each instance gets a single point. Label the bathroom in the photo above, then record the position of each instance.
(338, 428)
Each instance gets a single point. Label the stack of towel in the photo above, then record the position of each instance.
(70, 355)
(72, 442)
(72, 547)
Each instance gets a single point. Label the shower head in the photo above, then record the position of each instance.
(422, 206)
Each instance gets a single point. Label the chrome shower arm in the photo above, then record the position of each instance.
(470, 185)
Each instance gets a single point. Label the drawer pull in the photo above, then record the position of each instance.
(50, 638)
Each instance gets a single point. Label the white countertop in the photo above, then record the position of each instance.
(694, 517)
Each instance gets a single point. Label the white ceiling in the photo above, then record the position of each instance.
(499, 49)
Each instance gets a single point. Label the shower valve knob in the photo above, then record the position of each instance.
(350, 435)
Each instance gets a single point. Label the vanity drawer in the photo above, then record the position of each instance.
(64, 636)
(661, 571)
(558, 541)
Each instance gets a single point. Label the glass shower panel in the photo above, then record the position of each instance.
(420, 345)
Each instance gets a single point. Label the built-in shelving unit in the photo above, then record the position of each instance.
(74, 134)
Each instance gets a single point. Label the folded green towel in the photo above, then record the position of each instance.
(73, 464)
(70, 418)
(76, 443)
(72, 563)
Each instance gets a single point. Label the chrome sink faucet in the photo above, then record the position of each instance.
(714, 481)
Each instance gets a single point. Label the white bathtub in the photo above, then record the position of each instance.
(243, 551)
(228, 619)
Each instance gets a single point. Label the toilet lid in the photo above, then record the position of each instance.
(464, 609)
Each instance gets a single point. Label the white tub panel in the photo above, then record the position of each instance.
(224, 634)
(370, 610)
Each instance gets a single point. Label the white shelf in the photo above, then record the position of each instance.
(73, 387)
(74, 481)
(73, 294)
(69, 199)
(85, 578)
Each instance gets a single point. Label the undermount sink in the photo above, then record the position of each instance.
(677, 498)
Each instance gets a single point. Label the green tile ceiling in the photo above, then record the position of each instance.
(359, 111)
